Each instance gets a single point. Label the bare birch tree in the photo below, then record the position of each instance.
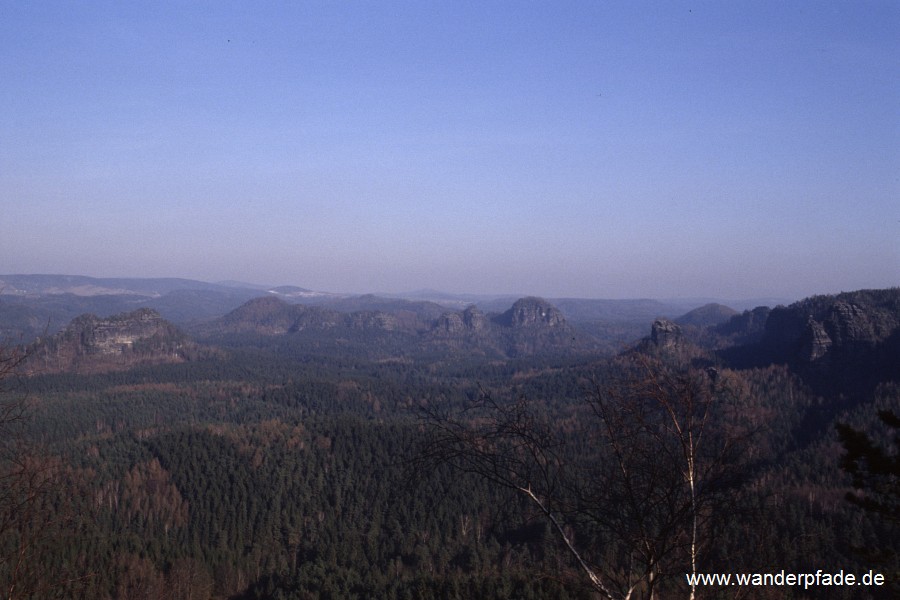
(630, 479)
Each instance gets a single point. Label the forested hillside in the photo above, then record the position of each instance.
(312, 453)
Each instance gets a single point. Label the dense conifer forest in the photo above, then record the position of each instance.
(306, 466)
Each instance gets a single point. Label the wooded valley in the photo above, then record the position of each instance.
(342, 455)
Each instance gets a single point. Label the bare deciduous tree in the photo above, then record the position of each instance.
(33, 517)
(630, 479)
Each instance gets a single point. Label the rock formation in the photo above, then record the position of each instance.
(532, 312)
(665, 334)
(841, 344)
(92, 344)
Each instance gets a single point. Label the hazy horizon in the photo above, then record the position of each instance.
(740, 303)
(685, 150)
(263, 284)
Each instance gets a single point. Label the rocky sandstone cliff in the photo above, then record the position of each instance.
(665, 334)
(825, 329)
(844, 343)
(530, 326)
(92, 344)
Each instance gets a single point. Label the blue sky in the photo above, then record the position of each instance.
(592, 149)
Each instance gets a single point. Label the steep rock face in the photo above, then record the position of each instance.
(449, 324)
(814, 342)
(828, 328)
(844, 344)
(531, 326)
(470, 331)
(665, 334)
(115, 335)
(534, 326)
(475, 320)
(468, 322)
(532, 312)
(92, 344)
(848, 323)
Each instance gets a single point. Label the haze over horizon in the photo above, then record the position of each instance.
(701, 149)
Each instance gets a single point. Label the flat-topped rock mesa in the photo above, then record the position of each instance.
(531, 312)
(91, 344)
(534, 326)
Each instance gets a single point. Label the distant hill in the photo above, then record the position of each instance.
(746, 327)
(531, 326)
(841, 343)
(79, 285)
(292, 293)
(421, 309)
(576, 310)
(707, 315)
(642, 310)
(38, 305)
(41, 305)
(269, 315)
